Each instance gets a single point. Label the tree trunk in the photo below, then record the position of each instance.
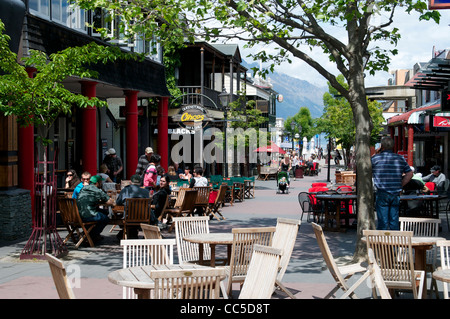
(364, 188)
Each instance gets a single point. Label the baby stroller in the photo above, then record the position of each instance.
(282, 183)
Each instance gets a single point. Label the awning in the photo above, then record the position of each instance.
(413, 116)
(435, 77)
(272, 148)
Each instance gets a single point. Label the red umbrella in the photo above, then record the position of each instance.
(272, 148)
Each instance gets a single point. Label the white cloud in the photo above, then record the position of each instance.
(416, 45)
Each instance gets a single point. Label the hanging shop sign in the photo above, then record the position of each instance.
(441, 121)
(192, 117)
(438, 4)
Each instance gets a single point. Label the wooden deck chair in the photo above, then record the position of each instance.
(72, 220)
(185, 209)
(238, 188)
(378, 285)
(187, 283)
(338, 272)
(142, 252)
(60, 279)
(424, 227)
(265, 263)
(136, 211)
(184, 226)
(393, 253)
(444, 247)
(242, 249)
(215, 208)
(284, 239)
(202, 201)
(249, 187)
(151, 231)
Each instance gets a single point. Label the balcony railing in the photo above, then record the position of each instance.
(193, 95)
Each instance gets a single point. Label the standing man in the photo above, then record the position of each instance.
(114, 164)
(143, 162)
(90, 197)
(390, 173)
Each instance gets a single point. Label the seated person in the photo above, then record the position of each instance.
(159, 198)
(436, 177)
(198, 179)
(85, 177)
(133, 190)
(72, 179)
(89, 198)
(187, 174)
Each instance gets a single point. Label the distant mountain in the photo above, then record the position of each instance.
(296, 93)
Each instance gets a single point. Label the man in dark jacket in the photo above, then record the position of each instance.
(133, 190)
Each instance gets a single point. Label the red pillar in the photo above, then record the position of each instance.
(163, 127)
(26, 156)
(410, 145)
(89, 129)
(131, 110)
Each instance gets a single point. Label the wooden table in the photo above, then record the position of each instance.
(139, 277)
(431, 200)
(338, 199)
(212, 239)
(442, 275)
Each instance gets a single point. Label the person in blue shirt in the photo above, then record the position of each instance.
(390, 173)
(85, 177)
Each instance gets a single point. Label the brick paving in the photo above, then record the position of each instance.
(306, 276)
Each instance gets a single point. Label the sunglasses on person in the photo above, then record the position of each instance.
(69, 174)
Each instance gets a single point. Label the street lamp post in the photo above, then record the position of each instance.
(292, 134)
(224, 98)
(300, 136)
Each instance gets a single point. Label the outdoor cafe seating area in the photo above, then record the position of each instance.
(152, 271)
(414, 259)
(183, 201)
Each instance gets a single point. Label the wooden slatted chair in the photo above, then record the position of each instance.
(188, 283)
(284, 239)
(202, 201)
(262, 273)
(444, 248)
(59, 276)
(136, 211)
(214, 209)
(151, 231)
(242, 249)
(142, 252)
(393, 252)
(424, 227)
(338, 272)
(378, 284)
(184, 226)
(72, 221)
(185, 208)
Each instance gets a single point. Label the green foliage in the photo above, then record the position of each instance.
(337, 120)
(301, 118)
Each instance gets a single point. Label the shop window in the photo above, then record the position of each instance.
(40, 7)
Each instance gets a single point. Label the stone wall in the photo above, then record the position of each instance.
(15, 214)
